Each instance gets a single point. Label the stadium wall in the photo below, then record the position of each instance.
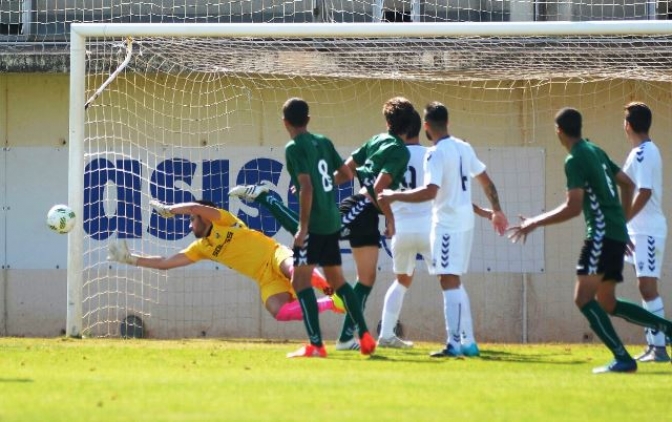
(507, 307)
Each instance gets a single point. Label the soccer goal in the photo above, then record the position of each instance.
(178, 112)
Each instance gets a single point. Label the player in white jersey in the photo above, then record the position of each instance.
(450, 165)
(410, 239)
(647, 226)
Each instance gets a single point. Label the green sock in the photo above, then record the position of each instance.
(361, 293)
(287, 218)
(311, 317)
(640, 316)
(601, 325)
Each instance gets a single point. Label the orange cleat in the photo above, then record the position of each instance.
(319, 282)
(309, 351)
(367, 345)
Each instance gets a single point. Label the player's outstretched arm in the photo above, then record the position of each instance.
(566, 211)
(119, 252)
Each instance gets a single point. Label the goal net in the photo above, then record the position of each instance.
(179, 112)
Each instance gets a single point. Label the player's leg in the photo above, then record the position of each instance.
(587, 288)
(331, 261)
(288, 218)
(613, 270)
(450, 254)
(590, 284)
(283, 309)
(366, 261)
(464, 241)
(655, 339)
(452, 303)
(278, 295)
(303, 270)
(403, 262)
(360, 221)
(648, 256)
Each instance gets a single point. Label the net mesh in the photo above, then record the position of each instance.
(190, 118)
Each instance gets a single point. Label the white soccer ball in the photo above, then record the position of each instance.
(61, 218)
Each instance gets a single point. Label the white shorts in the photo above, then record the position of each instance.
(451, 251)
(405, 250)
(648, 255)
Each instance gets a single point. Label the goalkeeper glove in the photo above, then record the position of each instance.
(162, 209)
(118, 251)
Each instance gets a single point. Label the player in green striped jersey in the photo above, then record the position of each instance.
(315, 169)
(592, 182)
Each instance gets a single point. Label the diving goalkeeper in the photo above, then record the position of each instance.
(224, 238)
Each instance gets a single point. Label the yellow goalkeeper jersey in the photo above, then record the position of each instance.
(235, 245)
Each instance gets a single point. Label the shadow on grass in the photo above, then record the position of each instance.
(545, 358)
(15, 380)
(422, 357)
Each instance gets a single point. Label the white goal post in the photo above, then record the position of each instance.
(484, 63)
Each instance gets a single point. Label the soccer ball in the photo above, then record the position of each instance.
(61, 218)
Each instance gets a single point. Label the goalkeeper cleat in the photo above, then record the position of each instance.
(367, 344)
(449, 352)
(653, 354)
(623, 366)
(248, 192)
(309, 351)
(351, 344)
(339, 306)
(471, 350)
(394, 342)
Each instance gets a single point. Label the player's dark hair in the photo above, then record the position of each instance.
(415, 126)
(398, 112)
(206, 203)
(295, 112)
(639, 116)
(436, 115)
(569, 121)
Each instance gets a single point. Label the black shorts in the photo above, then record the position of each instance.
(359, 220)
(602, 257)
(319, 249)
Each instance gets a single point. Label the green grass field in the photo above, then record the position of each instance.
(205, 380)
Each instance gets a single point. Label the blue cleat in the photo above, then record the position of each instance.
(471, 350)
(448, 352)
(623, 366)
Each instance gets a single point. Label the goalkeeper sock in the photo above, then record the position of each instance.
(394, 299)
(601, 325)
(311, 319)
(291, 311)
(288, 219)
(640, 316)
(354, 311)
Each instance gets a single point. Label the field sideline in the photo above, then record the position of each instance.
(224, 380)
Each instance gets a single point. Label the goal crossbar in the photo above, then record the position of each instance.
(364, 30)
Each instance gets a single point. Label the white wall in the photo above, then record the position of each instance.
(33, 118)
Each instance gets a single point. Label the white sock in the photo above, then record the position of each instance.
(655, 306)
(466, 322)
(394, 298)
(452, 308)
